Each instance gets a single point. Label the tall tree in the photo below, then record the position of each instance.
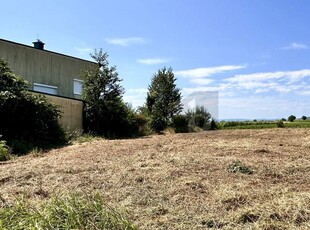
(163, 98)
(104, 109)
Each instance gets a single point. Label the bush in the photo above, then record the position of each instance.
(32, 123)
(158, 124)
(138, 123)
(4, 151)
(73, 211)
(180, 123)
(280, 124)
(304, 118)
(199, 116)
(213, 124)
(27, 120)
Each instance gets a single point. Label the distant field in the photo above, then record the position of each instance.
(226, 179)
(262, 124)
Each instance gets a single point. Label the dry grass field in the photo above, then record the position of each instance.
(229, 179)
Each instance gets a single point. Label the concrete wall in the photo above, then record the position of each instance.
(44, 67)
(71, 111)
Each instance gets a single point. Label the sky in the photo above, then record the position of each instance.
(254, 55)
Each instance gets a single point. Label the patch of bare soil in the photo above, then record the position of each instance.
(181, 181)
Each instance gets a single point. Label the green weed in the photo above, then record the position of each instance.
(71, 211)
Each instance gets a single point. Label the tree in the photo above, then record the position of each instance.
(304, 118)
(163, 99)
(27, 120)
(291, 118)
(199, 116)
(105, 112)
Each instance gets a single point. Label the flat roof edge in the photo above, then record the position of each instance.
(44, 50)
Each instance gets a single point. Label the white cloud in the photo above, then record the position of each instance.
(84, 50)
(153, 61)
(136, 97)
(295, 46)
(201, 81)
(281, 81)
(208, 71)
(292, 76)
(262, 90)
(126, 41)
(187, 91)
(304, 93)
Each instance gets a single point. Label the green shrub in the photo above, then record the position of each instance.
(73, 211)
(280, 124)
(199, 117)
(237, 166)
(158, 124)
(213, 124)
(4, 151)
(180, 123)
(27, 120)
(138, 123)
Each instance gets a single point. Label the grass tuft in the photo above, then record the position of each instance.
(71, 211)
(238, 166)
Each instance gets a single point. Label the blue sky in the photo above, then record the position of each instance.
(255, 54)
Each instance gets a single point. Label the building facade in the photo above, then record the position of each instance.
(56, 75)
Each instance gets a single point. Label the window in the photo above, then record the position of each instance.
(77, 86)
(45, 88)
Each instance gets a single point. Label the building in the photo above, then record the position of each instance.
(55, 75)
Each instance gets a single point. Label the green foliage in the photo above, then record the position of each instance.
(180, 123)
(237, 166)
(138, 124)
(304, 118)
(25, 117)
(11, 86)
(199, 116)
(4, 151)
(213, 124)
(246, 124)
(163, 99)
(158, 123)
(291, 118)
(280, 124)
(73, 211)
(105, 112)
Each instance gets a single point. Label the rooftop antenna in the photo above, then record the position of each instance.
(38, 37)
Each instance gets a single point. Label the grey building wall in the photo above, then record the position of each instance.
(44, 67)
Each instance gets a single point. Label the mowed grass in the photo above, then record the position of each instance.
(226, 179)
